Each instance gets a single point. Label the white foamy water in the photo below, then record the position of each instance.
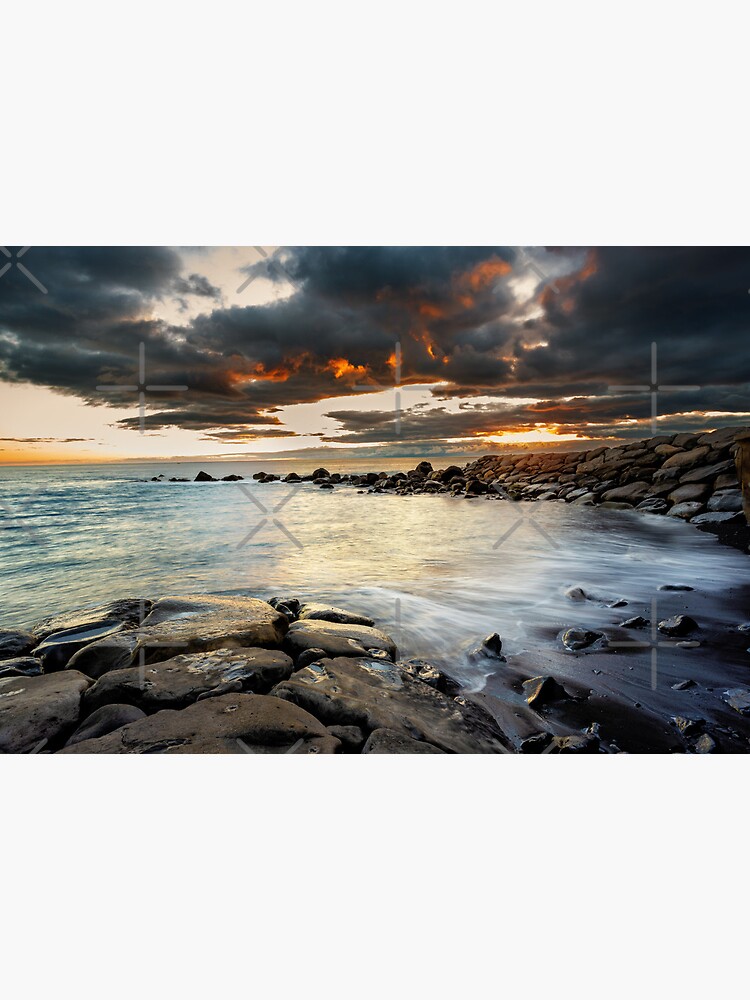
(428, 568)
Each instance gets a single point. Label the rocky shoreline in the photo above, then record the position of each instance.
(693, 477)
(201, 674)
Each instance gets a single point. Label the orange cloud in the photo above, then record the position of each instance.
(341, 368)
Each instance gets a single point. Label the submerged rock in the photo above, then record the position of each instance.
(233, 723)
(15, 642)
(490, 648)
(130, 611)
(21, 666)
(33, 709)
(637, 622)
(376, 694)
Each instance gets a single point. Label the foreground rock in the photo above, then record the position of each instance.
(105, 720)
(233, 723)
(36, 709)
(15, 643)
(182, 680)
(389, 741)
(377, 694)
(337, 639)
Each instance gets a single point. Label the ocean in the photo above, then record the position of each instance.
(435, 571)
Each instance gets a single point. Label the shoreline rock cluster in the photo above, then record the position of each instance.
(215, 674)
(227, 675)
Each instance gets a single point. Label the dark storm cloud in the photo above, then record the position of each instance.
(585, 321)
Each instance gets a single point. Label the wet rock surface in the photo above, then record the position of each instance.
(233, 723)
(377, 694)
(36, 709)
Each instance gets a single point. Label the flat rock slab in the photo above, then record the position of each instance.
(15, 642)
(199, 624)
(326, 613)
(337, 639)
(33, 709)
(57, 649)
(233, 723)
(389, 741)
(376, 694)
(181, 680)
(130, 611)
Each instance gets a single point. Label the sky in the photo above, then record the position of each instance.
(371, 351)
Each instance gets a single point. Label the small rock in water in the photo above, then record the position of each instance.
(688, 727)
(683, 685)
(543, 690)
(739, 700)
(638, 622)
(705, 744)
(581, 638)
(203, 477)
(678, 625)
(674, 586)
(536, 743)
(576, 594)
(491, 648)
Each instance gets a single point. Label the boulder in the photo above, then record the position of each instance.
(199, 624)
(15, 642)
(688, 510)
(21, 666)
(181, 680)
(637, 622)
(390, 741)
(130, 611)
(424, 468)
(631, 492)
(33, 709)
(377, 694)
(731, 501)
(204, 477)
(105, 720)
(653, 505)
(337, 639)
(718, 517)
(706, 472)
(321, 474)
(687, 459)
(490, 648)
(326, 613)
(56, 650)
(233, 723)
(112, 653)
(691, 491)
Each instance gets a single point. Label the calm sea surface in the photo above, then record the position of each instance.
(429, 569)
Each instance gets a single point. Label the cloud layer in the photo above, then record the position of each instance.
(507, 339)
